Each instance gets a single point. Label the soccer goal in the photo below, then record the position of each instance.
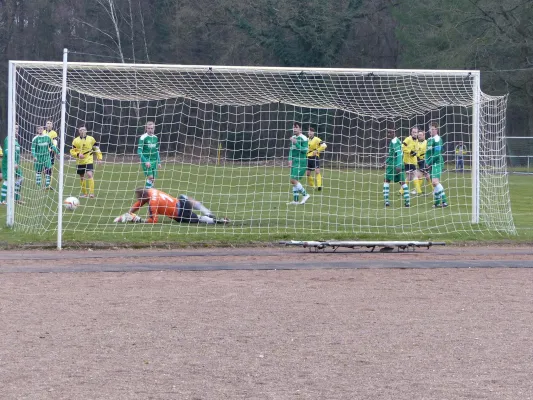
(224, 135)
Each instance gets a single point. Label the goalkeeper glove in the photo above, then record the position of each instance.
(128, 217)
(136, 219)
(413, 153)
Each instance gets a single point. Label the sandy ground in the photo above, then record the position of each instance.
(267, 323)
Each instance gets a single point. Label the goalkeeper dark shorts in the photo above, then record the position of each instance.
(83, 168)
(185, 213)
(313, 163)
(422, 165)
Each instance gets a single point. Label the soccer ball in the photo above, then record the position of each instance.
(71, 203)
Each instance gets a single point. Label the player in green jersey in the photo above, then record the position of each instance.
(49, 131)
(435, 163)
(1, 156)
(148, 151)
(41, 146)
(394, 169)
(298, 163)
(18, 170)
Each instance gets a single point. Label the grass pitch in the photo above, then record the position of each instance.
(255, 199)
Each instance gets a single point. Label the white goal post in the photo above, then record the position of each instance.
(224, 135)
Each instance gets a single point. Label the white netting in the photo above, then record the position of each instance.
(520, 154)
(224, 139)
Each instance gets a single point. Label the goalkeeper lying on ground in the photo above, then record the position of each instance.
(161, 203)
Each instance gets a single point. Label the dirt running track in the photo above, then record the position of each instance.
(267, 323)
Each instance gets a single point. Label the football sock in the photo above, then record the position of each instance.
(436, 195)
(418, 185)
(38, 177)
(83, 185)
(91, 186)
(47, 180)
(295, 193)
(3, 195)
(441, 193)
(401, 189)
(301, 189)
(18, 188)
(386, 192)
(149, 184)
(311, 181)
(319, 180)
(405, 188)
(206, 220)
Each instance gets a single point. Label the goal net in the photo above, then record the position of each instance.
(520, 154)
(224, 135)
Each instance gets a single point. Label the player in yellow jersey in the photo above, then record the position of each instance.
(422, 171)
(83, 148)
(52, 134)
(316, 146)
(409, 146)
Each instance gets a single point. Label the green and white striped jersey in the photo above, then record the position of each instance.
(435, 148)
(148, 148)
(41, 146)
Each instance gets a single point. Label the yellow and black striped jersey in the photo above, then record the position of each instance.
(408, 146)
(52, 135)
(421, 149)
(86, 146)
(316, 144)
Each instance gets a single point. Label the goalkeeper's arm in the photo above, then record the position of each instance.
(137, 205)
(130, 216)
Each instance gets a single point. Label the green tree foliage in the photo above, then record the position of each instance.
(492, 36)
(311, 33)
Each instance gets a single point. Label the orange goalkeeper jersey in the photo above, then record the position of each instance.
(159, 203)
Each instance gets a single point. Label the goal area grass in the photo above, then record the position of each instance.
(255, 200)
